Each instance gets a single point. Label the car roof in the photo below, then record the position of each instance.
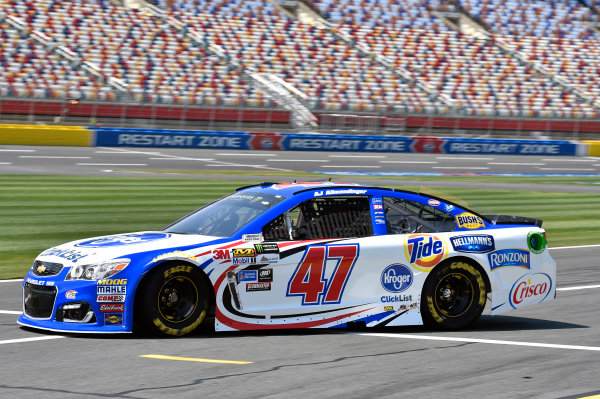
(289, 189)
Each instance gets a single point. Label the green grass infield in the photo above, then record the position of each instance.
(38, 212)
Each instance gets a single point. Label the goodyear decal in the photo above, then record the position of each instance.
(424, 251)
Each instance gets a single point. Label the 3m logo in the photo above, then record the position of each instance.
(425, 251)
(243, 252)
(221, 254)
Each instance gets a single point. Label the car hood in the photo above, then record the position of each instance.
(98, 249)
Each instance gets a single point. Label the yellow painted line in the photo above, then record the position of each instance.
(590, 397)
(195, 359)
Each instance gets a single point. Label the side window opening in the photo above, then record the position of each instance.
(403, 216)
(331, 217)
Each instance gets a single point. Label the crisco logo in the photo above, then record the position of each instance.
(396, 278)
(530, 289)
(425, 251)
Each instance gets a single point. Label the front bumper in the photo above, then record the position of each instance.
(51, 303)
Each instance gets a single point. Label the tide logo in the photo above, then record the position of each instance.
(425, 251)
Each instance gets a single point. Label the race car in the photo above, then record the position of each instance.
(296, 255)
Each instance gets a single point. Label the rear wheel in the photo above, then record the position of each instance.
(174, 300)
(454, 296)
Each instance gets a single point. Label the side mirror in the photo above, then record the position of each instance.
(300, 233)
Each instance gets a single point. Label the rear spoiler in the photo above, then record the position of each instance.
(507, 219)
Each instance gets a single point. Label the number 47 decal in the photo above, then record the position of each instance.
(308, 280)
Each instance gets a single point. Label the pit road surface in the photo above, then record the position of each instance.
(546, 351)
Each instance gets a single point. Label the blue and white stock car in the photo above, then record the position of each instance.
(296, 255)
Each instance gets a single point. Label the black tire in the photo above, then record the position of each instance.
(173, 300)
(453, 297)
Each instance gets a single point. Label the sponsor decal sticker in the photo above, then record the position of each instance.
(71, 294)
(112, 289)
(123, 239)
(424, 251)
(469, 221)
(396, 278)
(377, 206)
(243, 252)
(110, 298)
(115, 319)
(175, 254)
(449, 208)
(265, 275)
(243, 261)
(536, 242)
(433, 202)
(113, 281)
(68, 254)
(221, 254)
(269, 258)
(253, 237)
(509, 257)
(266, 248)
(379, 221)
(112, 307)
(388, 308)
(396, 298)
(479, 244)
(247, 275)
(346, 191)
(530, 289)
(266, 286)
(39, 282)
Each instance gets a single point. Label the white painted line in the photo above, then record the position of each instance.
(581, 287)
(577, 246)
(356, 156)
(5, 163)
(50, 157)
(351, 166)
(297, 160)
(516, 163)
(408, 162)
(116, 152)
(183, 159)
(466, 158)
(575, 169)
(568, 160)
(10, 312)
(458, 168)
(243, 154)
(3, 150)
(483, 341)
(19, 340)
(111, 164)
(11, 280)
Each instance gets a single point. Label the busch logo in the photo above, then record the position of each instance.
(396, 278)
(530, 289)
(424, 251)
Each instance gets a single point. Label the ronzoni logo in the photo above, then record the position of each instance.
(425, 251)
(530, 289)
(509, 257)
(473, 244)
(396, 278)
(469, 221)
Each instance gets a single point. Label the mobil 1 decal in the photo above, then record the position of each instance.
(476, 243)
(424, 251)
(322, 274)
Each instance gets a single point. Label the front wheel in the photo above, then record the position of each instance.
(453, 296)
(174, 300)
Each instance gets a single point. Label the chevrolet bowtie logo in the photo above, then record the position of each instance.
(41, 269)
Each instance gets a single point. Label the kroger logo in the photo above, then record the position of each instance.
(509, 257)
(530, 289)
(396, 278)
(124, 239)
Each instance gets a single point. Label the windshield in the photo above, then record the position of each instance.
(225, 216)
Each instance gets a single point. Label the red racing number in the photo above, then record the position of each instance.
(308, 280)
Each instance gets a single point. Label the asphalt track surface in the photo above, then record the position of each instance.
(545, 351)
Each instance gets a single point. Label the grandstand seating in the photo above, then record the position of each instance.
(160, 65)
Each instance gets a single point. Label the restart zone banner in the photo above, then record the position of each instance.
(115, 137)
